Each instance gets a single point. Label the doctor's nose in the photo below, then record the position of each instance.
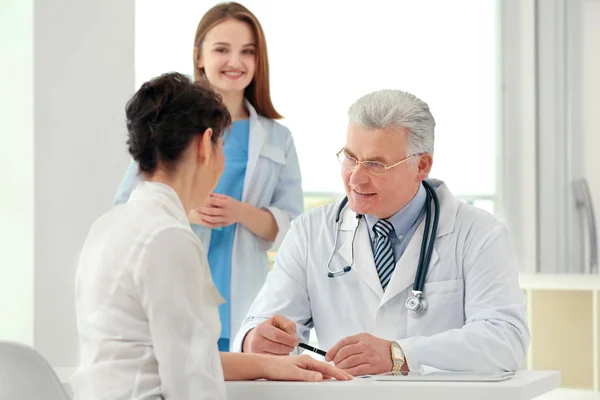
(359, 175)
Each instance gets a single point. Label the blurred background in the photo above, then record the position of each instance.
(514, 86)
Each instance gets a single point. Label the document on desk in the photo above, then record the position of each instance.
(446, 376)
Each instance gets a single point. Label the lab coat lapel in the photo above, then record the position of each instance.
(406, 268)
(364, 264)
(256, 140)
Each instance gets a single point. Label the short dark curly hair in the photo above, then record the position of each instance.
(164, 115)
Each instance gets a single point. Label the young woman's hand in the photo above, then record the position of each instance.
(219, 210)
(300, 368)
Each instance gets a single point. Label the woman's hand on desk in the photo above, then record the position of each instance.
(301, 368)
(240, 367)
(362, 354)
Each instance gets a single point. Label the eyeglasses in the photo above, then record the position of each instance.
(372, 167)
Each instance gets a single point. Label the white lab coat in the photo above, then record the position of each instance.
(272, 182)
(147, 309)
(476, 317)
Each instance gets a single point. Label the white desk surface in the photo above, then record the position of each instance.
(524, 385)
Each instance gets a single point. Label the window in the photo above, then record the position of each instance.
(324, 56)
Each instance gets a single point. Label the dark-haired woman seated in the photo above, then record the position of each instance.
(147, 309)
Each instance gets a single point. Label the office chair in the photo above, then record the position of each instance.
(26, 375)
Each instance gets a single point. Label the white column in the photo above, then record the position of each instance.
(16, 171)
(63, 155)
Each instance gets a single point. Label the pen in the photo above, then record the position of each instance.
(313, 349)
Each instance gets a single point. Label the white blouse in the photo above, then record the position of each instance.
(147, 309)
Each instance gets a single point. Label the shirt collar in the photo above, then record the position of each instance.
(404, 219)
(163, 193)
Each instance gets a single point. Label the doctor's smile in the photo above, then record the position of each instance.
(362, 193)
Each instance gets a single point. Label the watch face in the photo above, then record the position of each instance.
(397, 353)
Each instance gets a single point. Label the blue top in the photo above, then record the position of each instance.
(231, 184)
(405, 223)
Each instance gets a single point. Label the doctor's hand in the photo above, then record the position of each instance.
(362, 354)
(219, 210)
(277, 335)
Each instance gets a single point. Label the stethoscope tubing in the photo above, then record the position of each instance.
(427, 245)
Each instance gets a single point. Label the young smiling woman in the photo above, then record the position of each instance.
(260, 191)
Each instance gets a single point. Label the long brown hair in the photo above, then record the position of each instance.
(258, 91)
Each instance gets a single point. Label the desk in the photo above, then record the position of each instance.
(524, 385)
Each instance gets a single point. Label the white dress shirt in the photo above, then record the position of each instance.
(147, 309)
(272, 182)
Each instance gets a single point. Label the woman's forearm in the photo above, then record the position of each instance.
(260, 222)
(240, 367)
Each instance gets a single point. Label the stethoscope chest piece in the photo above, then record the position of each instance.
(416, 305)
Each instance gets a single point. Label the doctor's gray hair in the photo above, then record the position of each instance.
(389, 109)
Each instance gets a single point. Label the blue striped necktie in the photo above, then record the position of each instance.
(384, 254)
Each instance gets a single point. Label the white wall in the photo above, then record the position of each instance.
(63, 155)
(446, 57)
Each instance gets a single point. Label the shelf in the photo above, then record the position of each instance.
(562, 312)
(560, 282)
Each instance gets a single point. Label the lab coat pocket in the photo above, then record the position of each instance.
(268, 169)
(445, 300)
(273, 153)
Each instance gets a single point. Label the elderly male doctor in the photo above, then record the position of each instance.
(475, 319)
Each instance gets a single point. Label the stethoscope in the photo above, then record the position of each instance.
(415, 304)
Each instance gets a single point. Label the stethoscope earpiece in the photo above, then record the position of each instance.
(346, 269)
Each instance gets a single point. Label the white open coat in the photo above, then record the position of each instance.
(476, 317)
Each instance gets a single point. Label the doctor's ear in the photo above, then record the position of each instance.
(424, 165)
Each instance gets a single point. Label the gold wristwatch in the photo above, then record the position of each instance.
(398, 359)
